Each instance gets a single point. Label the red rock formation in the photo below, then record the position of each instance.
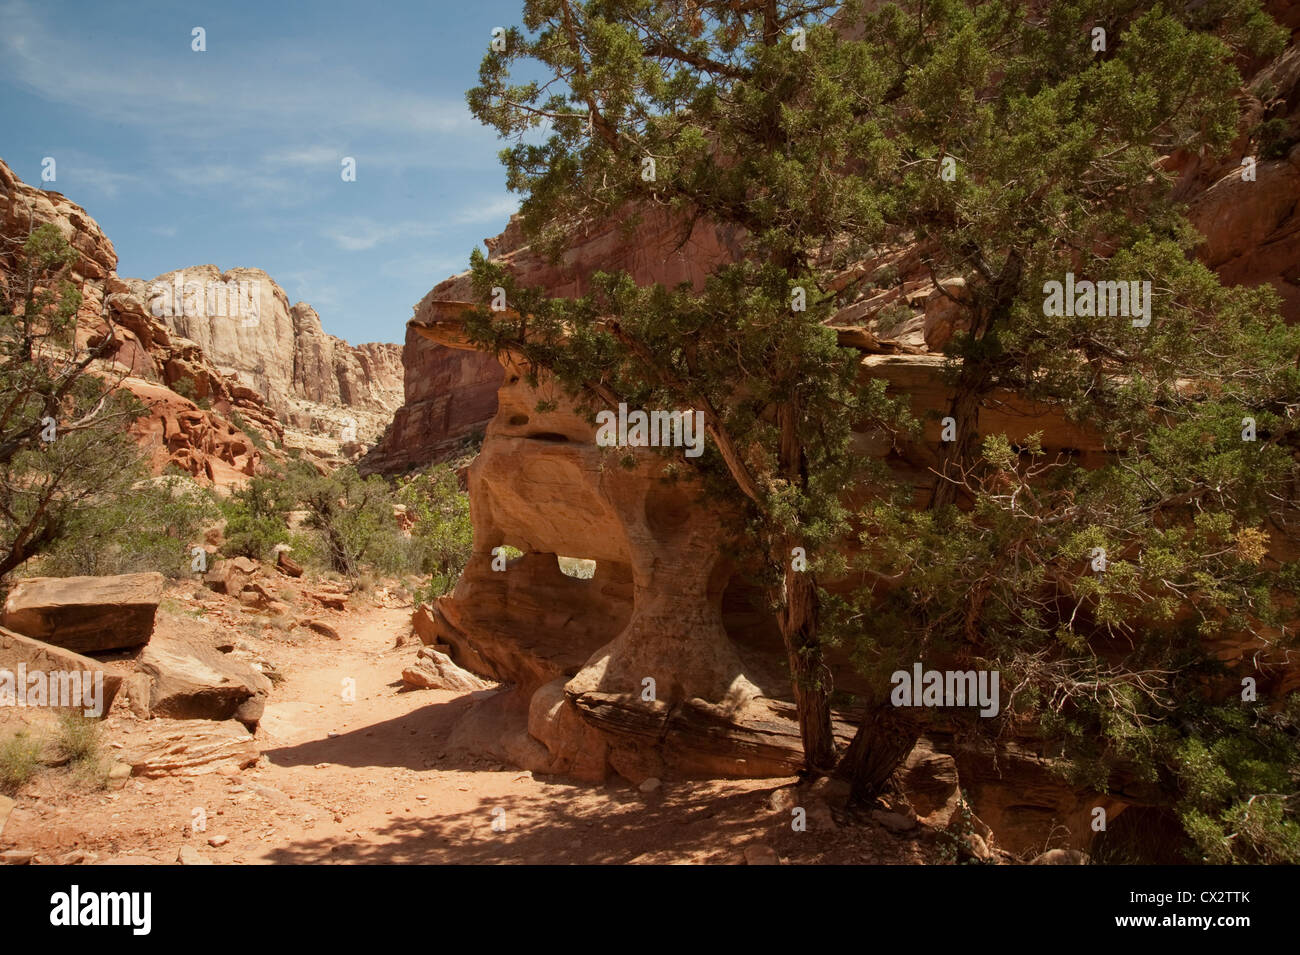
(177, 431)
(450, 395)
(148, 360)
(318, 385)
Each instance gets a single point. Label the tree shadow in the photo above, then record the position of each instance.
(406, 741)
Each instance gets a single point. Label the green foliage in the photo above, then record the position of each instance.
(20, 757)
(185, 388)
(1238, 768)
(255, 518)
(352, 523)
(442, 536)
(77, 740)
(78, 737)
(137, 525)
(64, 449)
(254, 435)
(353, 516)
(1275, 137)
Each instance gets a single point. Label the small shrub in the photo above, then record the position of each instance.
(1275, 138)
(255, 520)
(20, 756)
(253, 434)
(185, 388)
(78, 737)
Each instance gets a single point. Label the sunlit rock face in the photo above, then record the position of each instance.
(192, 431)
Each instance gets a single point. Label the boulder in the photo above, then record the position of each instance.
(973, 846)
(191, 856)
(16, 649)
(434, 670)
(195, 682)
(423, 624)
(231, 576)
(321, 627)
(287, 565)
(893, 821)
(139, 693)
(85, 614)
(929, 779)
(330, 601)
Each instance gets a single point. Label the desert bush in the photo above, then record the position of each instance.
(442, 536)
(255, 518)
(150, 524)
(78, 737)
(77, 741)
(20, 756)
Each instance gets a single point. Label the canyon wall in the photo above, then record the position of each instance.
(196, 431)
(325, 392)
(449, 397)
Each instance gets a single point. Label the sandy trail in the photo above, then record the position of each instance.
(372, 781)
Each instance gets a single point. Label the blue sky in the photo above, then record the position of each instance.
(232, 156)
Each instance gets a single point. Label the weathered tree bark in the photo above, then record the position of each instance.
(808, 671)
(885, 736)
(955, 456)
(800, 617)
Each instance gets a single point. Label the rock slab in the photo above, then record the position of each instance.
(17, 649)
(85, 614)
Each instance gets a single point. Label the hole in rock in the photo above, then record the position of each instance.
(579, 567)
(548, 436)
(518, 419)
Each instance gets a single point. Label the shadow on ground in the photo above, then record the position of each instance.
(702, 821)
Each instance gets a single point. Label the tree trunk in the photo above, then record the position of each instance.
(955, 456)
(808, 671)
(885, 736)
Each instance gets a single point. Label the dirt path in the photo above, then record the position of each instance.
(373, 781)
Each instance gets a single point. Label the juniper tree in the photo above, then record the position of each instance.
(63, 441)
(1008, 146)
(716, 112)
(1099, 594)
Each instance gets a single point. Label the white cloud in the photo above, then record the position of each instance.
(306, 156)
(74, 174)
(359, 234)
(496, 211)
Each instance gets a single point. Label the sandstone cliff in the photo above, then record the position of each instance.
(326, 392)
(450, 395)
(198, 433)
